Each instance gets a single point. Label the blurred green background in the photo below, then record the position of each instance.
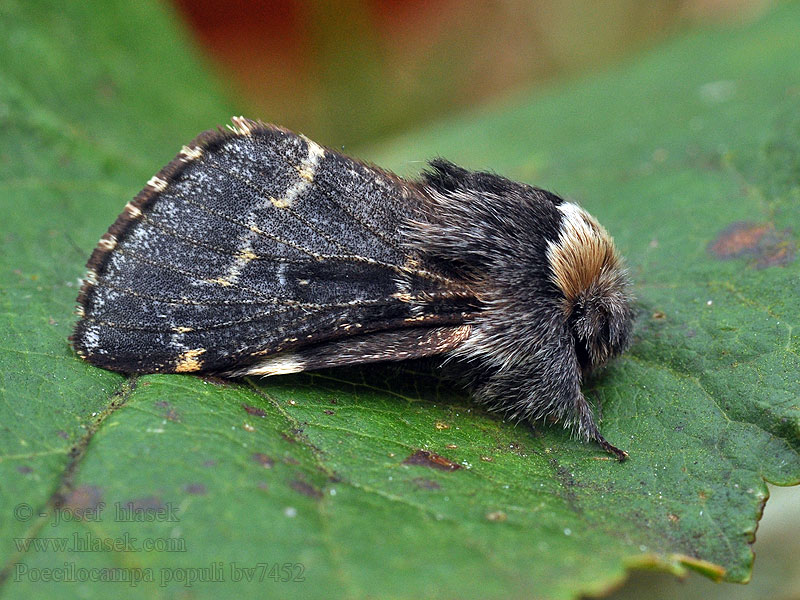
(354, 72)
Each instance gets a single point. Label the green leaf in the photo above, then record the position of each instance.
(688, 154)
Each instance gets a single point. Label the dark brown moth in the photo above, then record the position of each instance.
(258, 252)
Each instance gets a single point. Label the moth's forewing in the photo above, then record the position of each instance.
(251, 242)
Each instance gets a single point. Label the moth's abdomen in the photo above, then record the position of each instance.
(250, 242)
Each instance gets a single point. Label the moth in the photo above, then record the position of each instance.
(258, 252)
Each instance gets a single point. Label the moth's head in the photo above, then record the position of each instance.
(589, 272)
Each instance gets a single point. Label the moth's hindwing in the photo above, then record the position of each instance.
(254, 242)
(399, 344)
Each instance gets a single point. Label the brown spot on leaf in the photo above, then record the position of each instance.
(196, 489)
(106, 88)
(429, 459)
(254, 410)
(673, 518)
(81, 500)
(425, 484)
(169, 412)
(658, 315)
(210, 463)
(764, 245)
(327, 411)
(24, 469)
(737, 239)
(264, 460)
(305, 488)
(62, 434)
(498, 516)
(441, 425)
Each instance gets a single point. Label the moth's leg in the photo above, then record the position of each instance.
(545, 389)
(588, 429)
